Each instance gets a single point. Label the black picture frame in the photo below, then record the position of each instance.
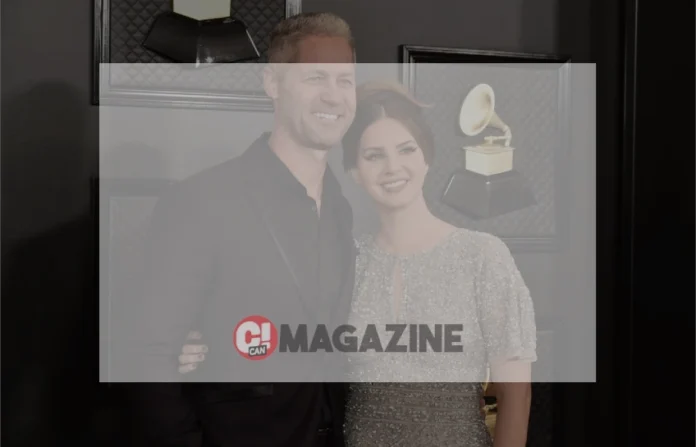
(412, 55)
(104, 92)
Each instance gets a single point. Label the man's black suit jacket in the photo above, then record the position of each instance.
(217, 250)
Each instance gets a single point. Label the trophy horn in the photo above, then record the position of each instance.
(478, 112)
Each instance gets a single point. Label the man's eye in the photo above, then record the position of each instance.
(346, 82)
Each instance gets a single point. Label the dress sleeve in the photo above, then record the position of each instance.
(506, 310)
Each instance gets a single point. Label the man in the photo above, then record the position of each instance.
(269, 227)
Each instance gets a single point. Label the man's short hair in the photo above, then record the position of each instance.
(289, 32)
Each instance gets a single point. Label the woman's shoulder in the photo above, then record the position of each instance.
(482, 244)
(460, 239)
(469, 237)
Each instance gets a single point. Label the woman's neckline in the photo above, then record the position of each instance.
(426, 251)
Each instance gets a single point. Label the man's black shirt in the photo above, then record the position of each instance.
(237, 238)
(314, 233)
(314, 237)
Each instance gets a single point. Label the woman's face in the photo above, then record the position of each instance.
(390, 165)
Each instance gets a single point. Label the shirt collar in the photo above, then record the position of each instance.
(274, 179)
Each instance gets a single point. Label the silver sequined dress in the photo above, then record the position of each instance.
(418, 399)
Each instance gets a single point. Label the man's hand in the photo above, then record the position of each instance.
(192, 354)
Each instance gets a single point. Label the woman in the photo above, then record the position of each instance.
(418, 268)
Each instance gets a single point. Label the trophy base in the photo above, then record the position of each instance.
(489, 159)
(186, 40)
(481, 197)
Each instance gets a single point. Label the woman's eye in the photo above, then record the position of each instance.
(408, 150)
(372, 157)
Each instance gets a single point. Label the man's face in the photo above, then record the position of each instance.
(315, 98)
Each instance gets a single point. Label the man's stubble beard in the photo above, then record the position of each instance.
(307, 134)
(312, 138)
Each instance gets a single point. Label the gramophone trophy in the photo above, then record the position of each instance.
(489, 185)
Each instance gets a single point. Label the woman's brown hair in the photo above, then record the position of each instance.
(381, 100)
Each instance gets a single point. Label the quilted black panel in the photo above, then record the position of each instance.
(129, 24)
(526, 100)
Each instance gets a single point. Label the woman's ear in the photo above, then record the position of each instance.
(271, 80)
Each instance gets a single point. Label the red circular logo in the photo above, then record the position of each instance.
(255, 337)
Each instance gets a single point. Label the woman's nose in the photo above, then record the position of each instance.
(392, 164)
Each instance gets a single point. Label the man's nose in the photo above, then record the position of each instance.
(331, 93)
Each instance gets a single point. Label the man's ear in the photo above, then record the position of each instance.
(271, 81)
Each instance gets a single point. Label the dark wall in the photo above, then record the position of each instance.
(49, 140)
(50, 150)
(507, 25)
(49, 129)
(663, 232)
